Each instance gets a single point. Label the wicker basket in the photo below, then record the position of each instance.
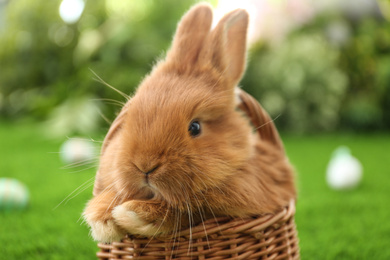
(264, 237)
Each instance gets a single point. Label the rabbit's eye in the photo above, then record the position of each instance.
(194, 128)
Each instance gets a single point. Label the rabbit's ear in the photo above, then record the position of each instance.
(226, 48)
(190, 35)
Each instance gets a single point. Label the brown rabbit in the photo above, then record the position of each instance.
(182, 150)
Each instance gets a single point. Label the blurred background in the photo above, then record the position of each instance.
(322, 65)
(321, 68)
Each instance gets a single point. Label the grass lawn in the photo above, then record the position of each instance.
(332, 225)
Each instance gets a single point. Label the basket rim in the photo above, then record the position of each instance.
(275, 234)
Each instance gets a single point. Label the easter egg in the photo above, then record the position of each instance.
(344, 171)
(77, 150)
(13, 195)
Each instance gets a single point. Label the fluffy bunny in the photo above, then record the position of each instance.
(182, 149)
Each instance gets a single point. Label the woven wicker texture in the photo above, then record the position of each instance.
(264, 237)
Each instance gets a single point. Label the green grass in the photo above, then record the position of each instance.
(332, 225)
(42, 232)
(349, 224)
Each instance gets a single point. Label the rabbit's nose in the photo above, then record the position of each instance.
(146, 169)
(151, 170)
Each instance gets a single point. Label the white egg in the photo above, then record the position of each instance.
(77, 150)
(14, 195)
(344, 171)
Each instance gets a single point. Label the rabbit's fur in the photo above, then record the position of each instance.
(227, 170)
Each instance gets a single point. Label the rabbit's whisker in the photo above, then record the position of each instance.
(87, 184)
(110, 101)
(156, 232)
(84, 169)
(176, 229)
(99, 79)
(190, 225)
(115, 199)
(269, 122)
(80, 163)
(202, 213)
(108, 121)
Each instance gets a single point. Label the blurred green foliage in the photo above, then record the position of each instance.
(366, 60)
(45, 61)
(299, 84)
(332, 73)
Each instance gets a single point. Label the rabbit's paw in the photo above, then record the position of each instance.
(106, 231)
(131, 218)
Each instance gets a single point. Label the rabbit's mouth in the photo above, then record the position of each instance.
(146, 193)
(148, 183)
(149, 186)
